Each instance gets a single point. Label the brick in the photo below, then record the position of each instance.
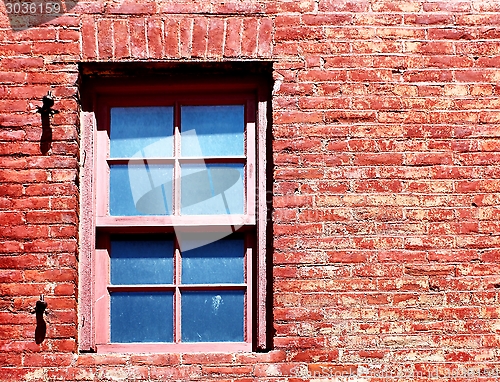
(429, 19)
(14, 49)
(187, 7)
(378, 159)
(347, 6)
(154, 35)
(105, 39)
(153, 359)
(440, 6)
(298, 33)
(132, 7)
(69, 35)
(179, 372)
(291, 6)
(249, 37)
(265, 36)
(51, 217)
(232, 39)
(428, 76)
(171, 37)
(60, 360)
(14, 374)
(51, 78)
(121, 45)
(215, 39)
(70, 48)
(23, 232)
(207, 358)
(138, 39)
(232, 7)
(185, 37)
(22, 63)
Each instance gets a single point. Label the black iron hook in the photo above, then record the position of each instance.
(41, 325)
(47, 103)
(41, 305)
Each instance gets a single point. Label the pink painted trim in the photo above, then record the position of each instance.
(170, 220)
(205, 347)
(177, 299)
(171, 287)
(176, 190)
(249, 293)
(251, 165)
(102, 302)
(255, 175)
(87, 234)
(261, 271)
(102, 172)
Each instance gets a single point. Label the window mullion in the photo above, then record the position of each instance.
(177, 303)
(177, 166)
(176, 212)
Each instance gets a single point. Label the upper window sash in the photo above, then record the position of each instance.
(176, 178)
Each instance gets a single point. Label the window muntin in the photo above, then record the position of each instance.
(221, 170)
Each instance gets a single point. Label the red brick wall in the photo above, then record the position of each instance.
(386, 184)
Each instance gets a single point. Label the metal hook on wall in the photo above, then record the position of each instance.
(47, 103)
(41, 305)
(46, 112)
(41, 326)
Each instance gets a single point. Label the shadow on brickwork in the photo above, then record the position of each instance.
(24, 14)
(41, 326)
(46, 139)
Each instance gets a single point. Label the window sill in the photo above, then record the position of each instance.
(226, 347)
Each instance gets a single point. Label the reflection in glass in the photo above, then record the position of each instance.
(141, 132)
(142, 317)
(141, 261)
(212, 130)
(219, 262)
(212, 316)
(212, 189)
(140, 189)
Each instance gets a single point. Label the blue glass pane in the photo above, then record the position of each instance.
(142, 317)
(212, 130)
(219, 262)
(142, 261)
(141, 132)
(140, 189)
(212, 189)
(212, 316)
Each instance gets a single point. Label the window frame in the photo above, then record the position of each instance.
(100, 93)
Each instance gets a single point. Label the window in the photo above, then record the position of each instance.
(173, 214)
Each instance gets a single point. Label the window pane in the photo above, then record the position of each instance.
(212, 189)
(219, 262)
(213, 316)
(142, 317)
(141, 132)
(142, 261)
(212, 130)
(140, 189)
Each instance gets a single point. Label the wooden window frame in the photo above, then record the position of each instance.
(99, 96)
